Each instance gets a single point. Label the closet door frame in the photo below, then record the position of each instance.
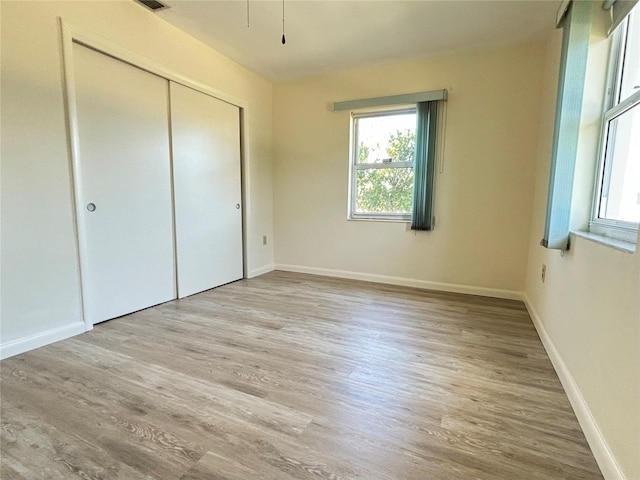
(71, 34)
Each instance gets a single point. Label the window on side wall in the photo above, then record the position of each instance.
(382, 164)
(616, 210)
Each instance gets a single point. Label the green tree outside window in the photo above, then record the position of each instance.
(387, 190)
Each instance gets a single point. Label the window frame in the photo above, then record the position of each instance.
(613, 108)
(354, 166)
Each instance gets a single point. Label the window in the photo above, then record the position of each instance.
(382, 163)
(616, 209)
(393, 156)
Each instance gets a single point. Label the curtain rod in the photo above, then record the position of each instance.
(391, 100)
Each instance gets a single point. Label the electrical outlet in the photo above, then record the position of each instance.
(264, 239)
(543, 275)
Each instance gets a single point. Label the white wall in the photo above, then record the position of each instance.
(40, 280)
(483, 197)
(588, 309)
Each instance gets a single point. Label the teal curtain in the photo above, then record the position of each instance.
(573, 66)
(424, 170)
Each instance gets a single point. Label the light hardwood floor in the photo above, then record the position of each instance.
(290, 376)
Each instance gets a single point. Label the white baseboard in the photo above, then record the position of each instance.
(601, 451)
(21, 345)
(256, 272)
(405, 282)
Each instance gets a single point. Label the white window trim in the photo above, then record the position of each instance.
(617, 229)
(354, 166)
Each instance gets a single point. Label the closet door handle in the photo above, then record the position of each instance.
(237, 206)
(91, 207)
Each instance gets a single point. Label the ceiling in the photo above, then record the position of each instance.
(330, 35)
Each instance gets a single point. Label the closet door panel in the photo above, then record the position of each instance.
(207, 187)
(126, 242)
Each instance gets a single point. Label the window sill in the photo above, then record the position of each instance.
(378, 219)
(622, 245)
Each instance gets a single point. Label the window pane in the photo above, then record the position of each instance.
(386, 138)
(631, 59)
(384, 190)
(620, 198)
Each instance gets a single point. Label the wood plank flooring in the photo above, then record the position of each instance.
(290, 376)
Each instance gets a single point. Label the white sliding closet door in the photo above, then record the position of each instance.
(124, 170)
(206, 170)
